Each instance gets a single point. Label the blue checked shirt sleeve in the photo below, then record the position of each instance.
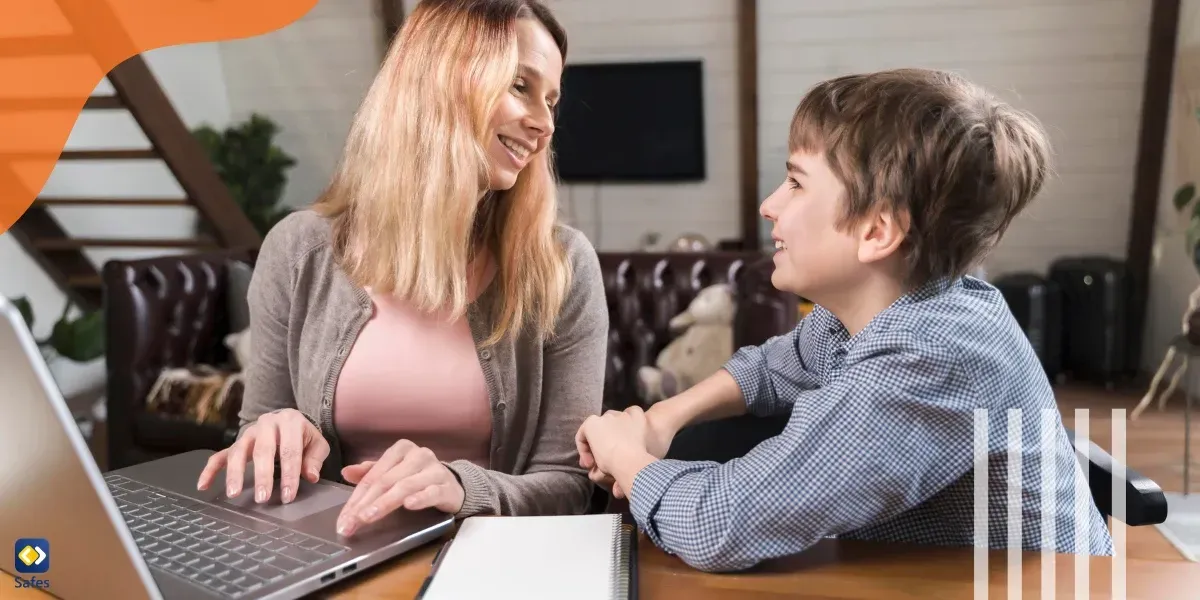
(771, 375)
(887, 434)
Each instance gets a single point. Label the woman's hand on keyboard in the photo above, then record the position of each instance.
(406, 476)
(300, 446)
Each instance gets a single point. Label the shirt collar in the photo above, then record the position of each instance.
(928, 290)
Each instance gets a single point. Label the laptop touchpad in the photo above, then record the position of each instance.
(311, 499)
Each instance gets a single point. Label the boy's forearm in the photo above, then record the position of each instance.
(716, 397)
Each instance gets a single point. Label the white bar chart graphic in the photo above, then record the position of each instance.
(1049, 448)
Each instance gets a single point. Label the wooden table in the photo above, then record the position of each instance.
(841, 570)
(832, 570)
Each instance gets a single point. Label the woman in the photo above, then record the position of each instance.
(428, 331)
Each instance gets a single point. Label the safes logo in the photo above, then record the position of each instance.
(31, 556)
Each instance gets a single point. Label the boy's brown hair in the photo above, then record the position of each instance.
(933, 147)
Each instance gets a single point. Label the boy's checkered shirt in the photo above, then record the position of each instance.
(881, 441)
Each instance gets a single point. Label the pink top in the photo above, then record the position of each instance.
(416, 377)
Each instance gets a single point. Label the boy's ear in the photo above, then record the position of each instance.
(882, 233)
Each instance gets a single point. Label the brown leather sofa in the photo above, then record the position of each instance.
(172, 312)
(161, 313)
(645, 290)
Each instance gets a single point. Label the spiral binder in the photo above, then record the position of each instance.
(625, 558)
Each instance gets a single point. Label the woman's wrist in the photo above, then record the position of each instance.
(471, 479)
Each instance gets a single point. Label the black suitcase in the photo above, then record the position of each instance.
(1095, 293)
(1036, 304)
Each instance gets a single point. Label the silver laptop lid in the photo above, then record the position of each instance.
(54, 503)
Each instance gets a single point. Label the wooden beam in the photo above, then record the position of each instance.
(182, 152)
(103, 103)
(1156, 105)
(104, 154)
(92, 103)
(747, 58)
(110, 202)
(64, 243)
(142, 95)
(36, 222)
(63, 268)
(86, 281)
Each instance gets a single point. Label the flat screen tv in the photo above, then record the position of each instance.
(631, 122)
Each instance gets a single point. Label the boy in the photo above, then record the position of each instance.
(898, 182)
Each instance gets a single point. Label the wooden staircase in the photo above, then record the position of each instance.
(136, 90)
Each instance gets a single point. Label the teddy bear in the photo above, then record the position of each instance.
(703, 347)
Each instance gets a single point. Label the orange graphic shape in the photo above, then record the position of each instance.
(53, 53)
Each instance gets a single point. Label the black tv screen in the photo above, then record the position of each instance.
(631, 122)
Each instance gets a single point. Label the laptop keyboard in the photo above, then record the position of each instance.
(218, 549)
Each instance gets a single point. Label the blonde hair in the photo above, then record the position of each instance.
(405, 202)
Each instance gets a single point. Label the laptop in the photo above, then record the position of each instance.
(144, 531)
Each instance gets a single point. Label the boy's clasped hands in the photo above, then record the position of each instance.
(616, 446)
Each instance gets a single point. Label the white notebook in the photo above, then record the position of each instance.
(586, 557)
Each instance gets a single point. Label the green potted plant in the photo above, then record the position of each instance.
(1188, 210)
(252, 166)
(79, 339)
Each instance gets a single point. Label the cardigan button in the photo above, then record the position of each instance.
(486, 354)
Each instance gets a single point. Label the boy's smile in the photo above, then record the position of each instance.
(849, 266)
(811, 254)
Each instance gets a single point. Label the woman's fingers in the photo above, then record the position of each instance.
(291, 455)
(442, 496)
(412, 463)
(606, 481)
(368, 480)
(299, 444)
(235, 465)
(215, 463)
(394, 496)
(316, 450)
(366, 487)
(599, 477)
(586, 460)
(355, 473)
(380, 479)
(265, 444)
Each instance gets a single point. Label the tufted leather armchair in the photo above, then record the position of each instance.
(161, 312)
(646, 289)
